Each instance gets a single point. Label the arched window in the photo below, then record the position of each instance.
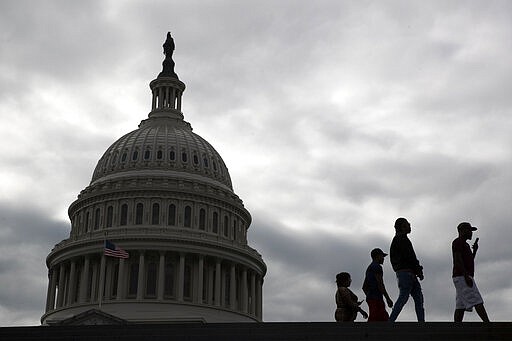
(202, 219)
(215, 223)
(97, 219)
(155, 214)
(151, 279)
(169, 279)
(159, 155)
(226, 226)
(205, 162)
(124, 156)
(114, 158)
(171, 215)
(234, 229)
(196, 159)
(135, 155)
(124, 215)
(139, 211)
(110, 215)
(172, 155)
(188, 217)
(147, 154)
(184, 156)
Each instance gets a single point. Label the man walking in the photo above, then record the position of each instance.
(374, 288)
(467, 294)
(408, 270)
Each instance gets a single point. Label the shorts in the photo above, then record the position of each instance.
(466, 297)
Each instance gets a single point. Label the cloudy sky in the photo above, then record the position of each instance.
(333, 117)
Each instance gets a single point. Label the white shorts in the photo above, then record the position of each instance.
(466, 297)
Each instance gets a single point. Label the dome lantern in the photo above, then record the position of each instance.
(167, 89)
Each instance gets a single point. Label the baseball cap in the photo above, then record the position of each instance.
(375, 252)
(466, 225)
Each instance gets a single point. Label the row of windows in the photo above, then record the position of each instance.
(214, 223)
(146, 156)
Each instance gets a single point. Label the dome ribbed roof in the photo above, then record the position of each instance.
(162, 146)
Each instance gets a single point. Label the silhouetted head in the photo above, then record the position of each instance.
(466, 230)
(402, 226)
(343, 279)
(378, 255)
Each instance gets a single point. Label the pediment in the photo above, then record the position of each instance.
(92, 317)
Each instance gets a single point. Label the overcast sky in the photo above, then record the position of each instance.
(333, 117)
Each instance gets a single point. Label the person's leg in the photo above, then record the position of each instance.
(458, 315)
(480, 310)
(417, 296)
(377, 311)
(371, 310)
(405, 287)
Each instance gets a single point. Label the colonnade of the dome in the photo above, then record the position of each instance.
(159, 276)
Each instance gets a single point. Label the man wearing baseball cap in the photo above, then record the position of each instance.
(374, 288)
(467, 294)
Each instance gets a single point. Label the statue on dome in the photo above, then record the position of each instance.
(169, 46)
(168, 63)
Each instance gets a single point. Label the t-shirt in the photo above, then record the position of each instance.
(373, 292)
(459, 245)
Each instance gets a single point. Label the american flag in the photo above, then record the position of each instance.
(114, 251)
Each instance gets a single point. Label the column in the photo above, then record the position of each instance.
(232, 287)
(161, 276)
(84, 281)
(94, 284)
(244, 295)
(258, 298)
(50, 295)
(153, 101)
(140, 279)
(253, 293)
(72, 283)
(181, 277)
(120, 280)
(60, 293)
(217, 282)
(102, 278)
(200, 279)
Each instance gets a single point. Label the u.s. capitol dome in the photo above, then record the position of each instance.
(159, 234)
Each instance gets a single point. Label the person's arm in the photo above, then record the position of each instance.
(475, 247)
(346, 299)
(382, 289)
(362, 312)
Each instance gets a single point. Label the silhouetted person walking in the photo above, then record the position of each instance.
(374, 288)
(408, 270)
(347, 305)
(467, 294)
